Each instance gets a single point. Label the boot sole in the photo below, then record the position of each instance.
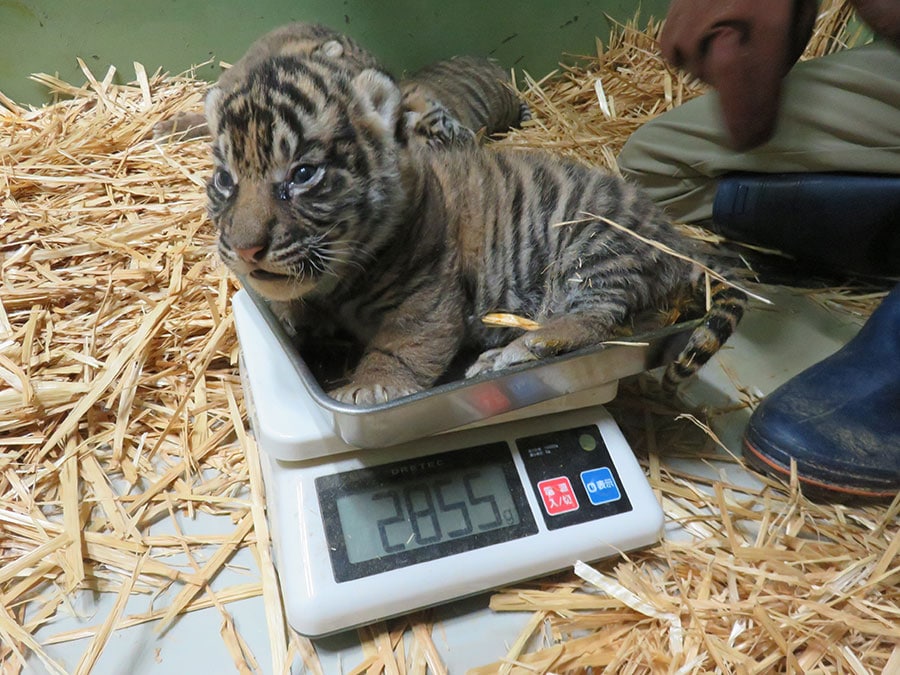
(812, 488)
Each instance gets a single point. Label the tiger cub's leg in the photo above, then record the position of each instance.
(596, 284)
(560, 334)
(429, 121)
(576, 329)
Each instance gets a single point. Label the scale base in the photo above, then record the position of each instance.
(317, 604)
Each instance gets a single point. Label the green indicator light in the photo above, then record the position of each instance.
(587, 442)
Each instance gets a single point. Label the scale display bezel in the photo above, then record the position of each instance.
(331, 487)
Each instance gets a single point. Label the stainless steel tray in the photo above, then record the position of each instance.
(585, 377)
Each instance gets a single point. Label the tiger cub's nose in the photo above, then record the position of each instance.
(250, 255)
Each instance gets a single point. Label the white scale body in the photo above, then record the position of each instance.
(429, 521)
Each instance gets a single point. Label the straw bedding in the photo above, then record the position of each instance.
(120, 410)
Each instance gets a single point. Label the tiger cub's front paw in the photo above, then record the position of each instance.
(368, 395)
(533, 346)
(514, 353)
(439, 129)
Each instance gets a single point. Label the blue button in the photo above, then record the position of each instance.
(600, 485)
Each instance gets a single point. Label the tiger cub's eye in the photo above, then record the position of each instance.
(223, 181)
(304, 174)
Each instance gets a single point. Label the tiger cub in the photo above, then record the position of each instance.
(476, 94)
(325, 207)
(446, 102)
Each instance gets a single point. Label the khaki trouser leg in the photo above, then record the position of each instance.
(839, 113)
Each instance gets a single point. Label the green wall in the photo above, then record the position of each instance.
(48, 35)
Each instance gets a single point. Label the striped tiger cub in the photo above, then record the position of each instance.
(326, 207)
(460, 98)
(446, 102)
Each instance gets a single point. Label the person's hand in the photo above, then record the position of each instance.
(743, 48)
(882, 16)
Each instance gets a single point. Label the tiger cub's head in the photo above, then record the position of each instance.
(307, 178)
(299, 39)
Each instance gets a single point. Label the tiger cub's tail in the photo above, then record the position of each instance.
(727, 305)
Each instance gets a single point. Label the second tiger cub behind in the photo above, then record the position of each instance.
(333, 214)
(474, 93)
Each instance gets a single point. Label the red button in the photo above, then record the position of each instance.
(557, 495)
(489, 400)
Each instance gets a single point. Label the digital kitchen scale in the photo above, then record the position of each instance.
(361, 535)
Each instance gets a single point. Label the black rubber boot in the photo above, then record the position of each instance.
(840, 221)
(839, 419)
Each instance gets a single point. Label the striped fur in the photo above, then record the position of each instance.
(473, 91)
(326, 207)
(445, 103)
(299, 39)
(727, 306)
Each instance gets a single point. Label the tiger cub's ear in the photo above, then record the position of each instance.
(378, 98)
(332, 49)
(211, 105)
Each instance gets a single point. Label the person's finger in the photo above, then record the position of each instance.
(748, 83)
(882, 16)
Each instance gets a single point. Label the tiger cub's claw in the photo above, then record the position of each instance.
(521, 350)
(439, 129)
(369, 395)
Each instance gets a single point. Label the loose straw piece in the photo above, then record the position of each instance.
(629, 599)
(507, 320)
(601, 97)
